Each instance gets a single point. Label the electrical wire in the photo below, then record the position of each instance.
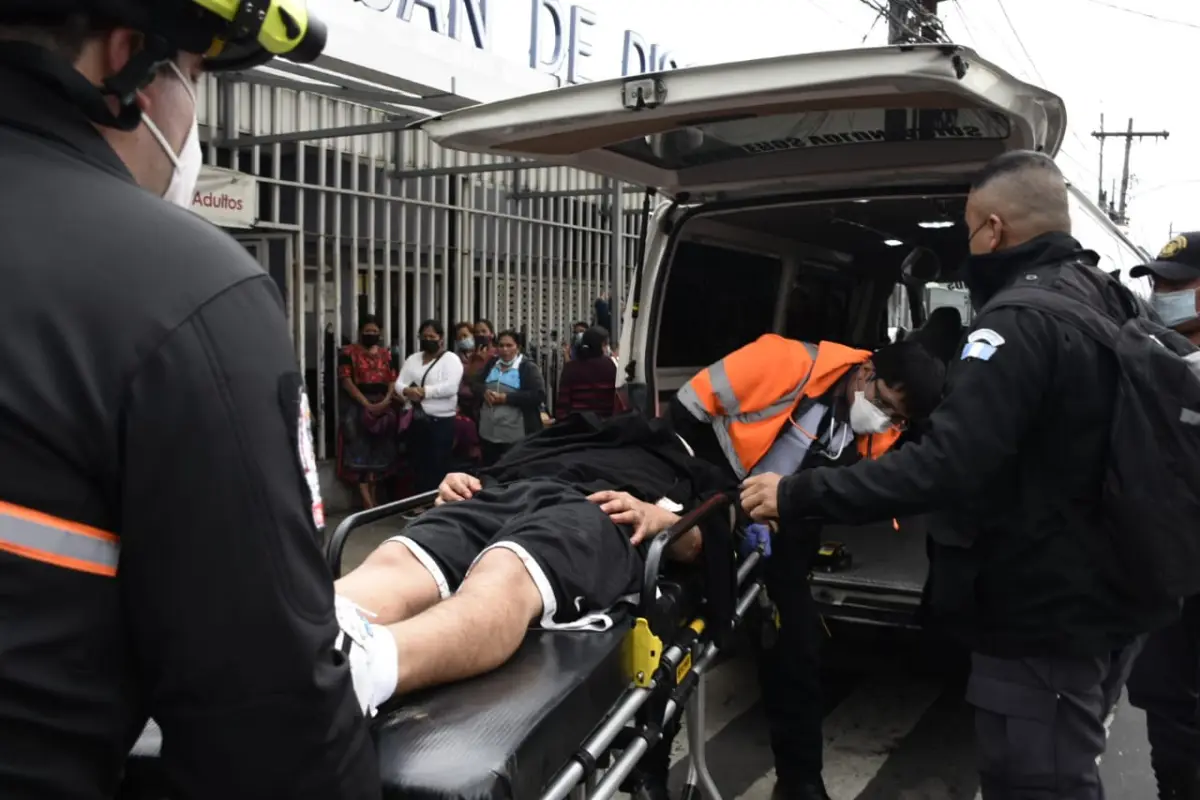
(821, 7)
(1041, 79)
(871, 29)
(1020, 42)
(1146, 14)
(882, 9)
(962, 15)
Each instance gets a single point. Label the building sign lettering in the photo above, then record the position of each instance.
(561, 35)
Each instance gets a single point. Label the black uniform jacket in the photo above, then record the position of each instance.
(150, 409)
(1013, 458)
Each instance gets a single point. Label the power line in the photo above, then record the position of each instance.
(1037, 72)
(820, 7)
(871, 29)
(1020, 42)
(962, 15)
(1146, 14)
(884, 11)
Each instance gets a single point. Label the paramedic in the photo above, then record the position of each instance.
(1166, 676)
(1015, 456)
(158, 497)
(778, 405)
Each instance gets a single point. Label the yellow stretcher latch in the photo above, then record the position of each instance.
(642, 651)
(685, 666)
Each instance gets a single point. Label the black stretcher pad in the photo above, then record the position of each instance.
(502, 735)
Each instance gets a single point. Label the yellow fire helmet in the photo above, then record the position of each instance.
(231, 34)
(255, 31)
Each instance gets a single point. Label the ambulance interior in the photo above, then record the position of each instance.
(816, 270)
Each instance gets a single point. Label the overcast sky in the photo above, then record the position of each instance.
(1099, 58)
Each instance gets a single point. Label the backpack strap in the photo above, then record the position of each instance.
(1055, 297)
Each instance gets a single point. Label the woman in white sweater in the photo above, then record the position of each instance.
(429, 382)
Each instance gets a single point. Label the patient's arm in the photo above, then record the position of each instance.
(687, 547)
(648, 520)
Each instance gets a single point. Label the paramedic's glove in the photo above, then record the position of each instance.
(757, 535)
(760, 496)
(457, 486)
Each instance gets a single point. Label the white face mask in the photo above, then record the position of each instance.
(188, 161)
(866, 417)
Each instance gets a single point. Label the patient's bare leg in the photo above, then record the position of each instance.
(473, 632)
(391, 584)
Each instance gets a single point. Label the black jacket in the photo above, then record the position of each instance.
(150, 390)
(1013, 459)
(530, 398)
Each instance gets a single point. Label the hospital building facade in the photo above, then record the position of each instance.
(315, 170)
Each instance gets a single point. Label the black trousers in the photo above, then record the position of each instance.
(790, 667)
(1039, 722)
(430, 445)
(1165, 683)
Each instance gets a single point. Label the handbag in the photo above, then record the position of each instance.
(418, 413)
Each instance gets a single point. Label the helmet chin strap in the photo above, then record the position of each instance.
(55, 71)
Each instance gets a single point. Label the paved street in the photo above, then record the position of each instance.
(890, 734)
(895, 724)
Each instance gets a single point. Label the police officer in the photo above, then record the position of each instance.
(1166, 677)
(159, 509)
(1015, 455)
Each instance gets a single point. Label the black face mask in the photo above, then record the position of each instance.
(482, 341)
(987, 273)
(370, 339)
(430, 345)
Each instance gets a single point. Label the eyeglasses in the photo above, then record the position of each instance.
(899, 421)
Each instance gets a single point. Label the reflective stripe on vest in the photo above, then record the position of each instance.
(723, 424)
(70, 545)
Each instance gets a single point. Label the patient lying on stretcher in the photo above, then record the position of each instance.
(553, 535)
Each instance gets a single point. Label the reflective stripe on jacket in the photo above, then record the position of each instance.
(70, 545)
(750, 394)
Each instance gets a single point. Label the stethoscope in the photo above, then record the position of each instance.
(847, 436)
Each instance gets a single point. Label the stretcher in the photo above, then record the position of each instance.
(572, 713)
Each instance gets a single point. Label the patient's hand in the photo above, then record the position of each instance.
(457, 486)
(623, 508)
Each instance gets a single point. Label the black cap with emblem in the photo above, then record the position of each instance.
(1177, 262)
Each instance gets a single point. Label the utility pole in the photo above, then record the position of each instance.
(1117, 212)
(913, 21)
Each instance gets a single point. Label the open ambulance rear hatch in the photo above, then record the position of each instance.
(733, 141)
(772, 126)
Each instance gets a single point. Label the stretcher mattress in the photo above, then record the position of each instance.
(502, 735)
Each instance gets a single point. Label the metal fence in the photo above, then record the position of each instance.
(359, 215)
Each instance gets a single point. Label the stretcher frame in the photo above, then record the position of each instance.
(674, 677)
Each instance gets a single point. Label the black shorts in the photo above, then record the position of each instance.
(581, 562)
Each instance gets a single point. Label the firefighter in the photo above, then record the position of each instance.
(159, 508)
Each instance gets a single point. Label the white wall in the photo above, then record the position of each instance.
(481, 49)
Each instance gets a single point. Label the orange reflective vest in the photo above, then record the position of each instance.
(750, 394)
